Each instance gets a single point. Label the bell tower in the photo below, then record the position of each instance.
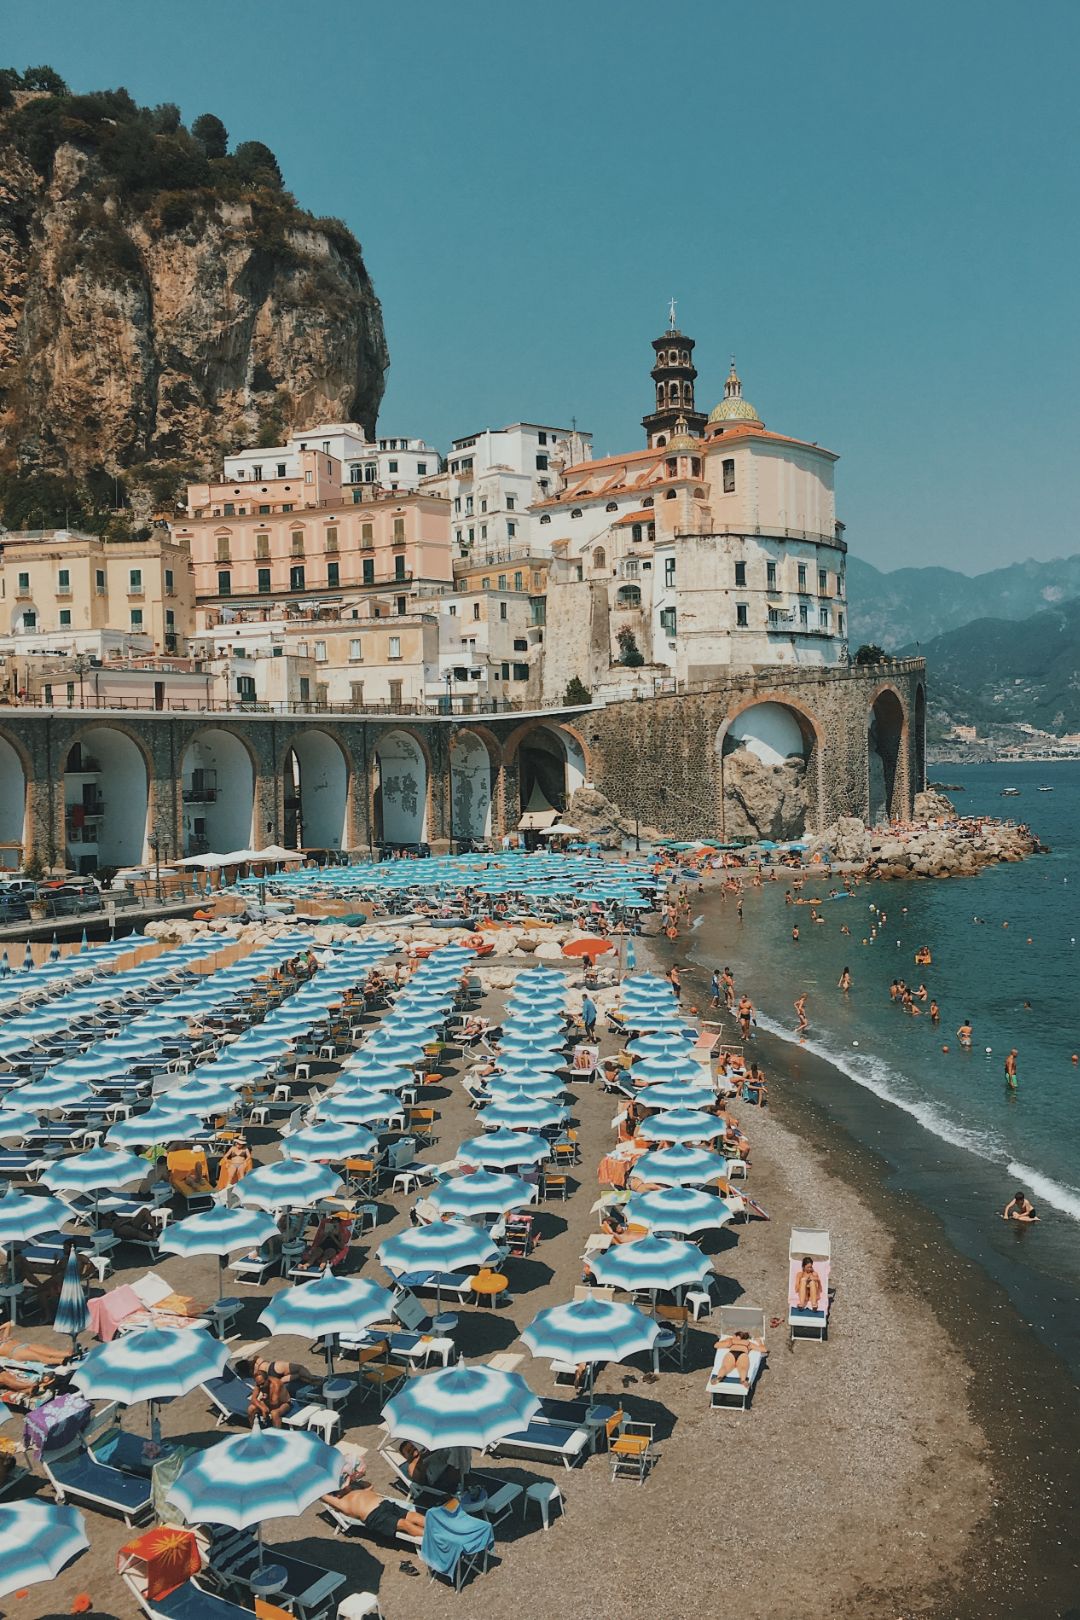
(673, 375)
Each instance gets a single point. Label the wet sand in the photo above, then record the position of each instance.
(855, 1486)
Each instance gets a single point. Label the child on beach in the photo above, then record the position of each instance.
(1018, 1209)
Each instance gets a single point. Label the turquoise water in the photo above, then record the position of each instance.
(981, 970)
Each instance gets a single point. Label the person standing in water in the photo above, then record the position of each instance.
(1012, 1079)
(964, 1033)
(844, 981)
(800, 1008)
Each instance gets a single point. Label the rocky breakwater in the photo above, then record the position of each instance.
(936, 843)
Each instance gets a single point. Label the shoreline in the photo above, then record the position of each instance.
(1019, 1555)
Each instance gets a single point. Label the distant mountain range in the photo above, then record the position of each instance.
(916, 604)
(998, 671)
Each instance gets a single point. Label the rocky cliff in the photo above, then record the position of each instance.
(161, 303)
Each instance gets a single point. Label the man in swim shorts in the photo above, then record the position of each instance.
(964, 1033)
(360, 1500)
(1012, 1079)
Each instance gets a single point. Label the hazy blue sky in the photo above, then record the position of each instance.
(873, 205)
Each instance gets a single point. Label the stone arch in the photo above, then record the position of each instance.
(472, 778)
(886, 738)
(400, 787)
(316, 791)
(14, 774)
(217, 782)
(106, 799)
(920, 738)
(552, 763)
(768, 754)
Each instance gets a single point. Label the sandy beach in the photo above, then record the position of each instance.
(855, 1485)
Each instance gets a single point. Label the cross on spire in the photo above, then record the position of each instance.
(671, 317)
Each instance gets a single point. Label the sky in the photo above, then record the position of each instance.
(873, 206)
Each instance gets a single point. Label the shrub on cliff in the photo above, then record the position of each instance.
(576, 693)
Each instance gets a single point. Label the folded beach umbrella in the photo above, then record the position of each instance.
(484, 1192)
(72, 1315)
(154, 1364)
(221, 1231)
(471, 1407)
(678, 1209)
(681, 1166)
(651, 1262)
(158, 1124)
(442, 1246)
(504, 1150)
(681, 1125)
(267, 1474)
(533, 1114)
(590, 1330)
(37, 1540)
(289, 1184)
(676, 1094)
(326, 1307)
(332, 1140)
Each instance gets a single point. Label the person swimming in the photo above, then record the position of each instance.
(964, 1033)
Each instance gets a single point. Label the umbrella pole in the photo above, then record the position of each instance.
(220, 1278)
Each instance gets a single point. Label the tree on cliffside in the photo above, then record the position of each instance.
(576, 693)
(254, 162)
(211, 135)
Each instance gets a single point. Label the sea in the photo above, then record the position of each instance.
(1006, 958)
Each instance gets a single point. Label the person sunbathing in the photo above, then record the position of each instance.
(428, 1468)
(331, 1235)
(358, 1499)
(737, 1348)
(192, 1182)
(19, 1383)
(138, 1226)
(807, 1287)
(235, 1164)
(270, 1400)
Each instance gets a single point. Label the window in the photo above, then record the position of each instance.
(802, 576)
(511, 529)
(297, 577)
(468, 505)
(29, 621)
(245, 688)
(840, 623)
(296, 542)
(136, 618)
(541, 463)
(395, 647)
(320, 652)
(822, 582)
(457, 505)
(333, 574)
(545, 517)
(331, 540)
(635, 532)
(504, 672)
(168, 581)
(24, 582)
(263, 510)
(502, 611)
(667, 621)
(576, 513)
(63, 580)
(824, 618)
(367, 536)
(99, 580)
(395, 694)
(224, 582)
(134, 580)
(483, 531)
(742, 615)
(472, 536)
(669, 572)
(282, 471)
(391, 466)
(65, 618)
(356, 650)
(230, 509)
(287, 506)
(629, 596)
(521, 644)
(263, 578)
(518, 581)
(804, 614)
(672, 465)
(729, 477)
(399, 566)
(309, 476)
(511, 503)
(521, 672)
(740, 574)
(537, 581)
(401, 604)
(502, 582)
(770, 575)
(256, 472)
(421, 469)
(369, 570)
(476, 610)
(631, 568)
(399, 531)
(452, 610)
(223, 548)
(541, 437)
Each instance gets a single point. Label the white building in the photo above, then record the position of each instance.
(489, 646)
(391, 463)
(493, 480)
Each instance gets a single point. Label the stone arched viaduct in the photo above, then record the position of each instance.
(658, 757)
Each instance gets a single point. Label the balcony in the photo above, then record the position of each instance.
(200, 795)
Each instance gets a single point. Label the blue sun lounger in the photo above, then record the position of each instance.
(230, 1395)
(76, 1477)
(189, 1602)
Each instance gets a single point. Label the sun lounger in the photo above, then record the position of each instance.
(444, 1283)
(804, 1323)
(76, 1477)
(188, 1602)
(309, 1591)
(230, 1395)
(730, 1391)
(546, 1441)
(255, 1268)
(344, 1526)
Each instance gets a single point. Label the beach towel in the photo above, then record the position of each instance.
(448, 1535)
(107, 1311)
(50, 1427)
(822, 1269)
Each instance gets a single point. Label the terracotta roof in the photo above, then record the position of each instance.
(646, 515)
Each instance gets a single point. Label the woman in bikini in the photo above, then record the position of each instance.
(737, 1348)
(807, 1287)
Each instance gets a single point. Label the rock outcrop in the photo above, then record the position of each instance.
(936, 849)
(763, 801)
(146, 331)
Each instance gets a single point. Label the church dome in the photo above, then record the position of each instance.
(733, 408)
(682, 439)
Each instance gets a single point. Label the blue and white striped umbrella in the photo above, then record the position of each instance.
(290, 1184)
(158, 1124)
(512, 1087)
(358, 1107)
(504, 1150)
(678, 1209)
(221, 1231)
(533, 1115)
(675, 1067)
(17, 1122)
(631, 956)
(485, 1192)
(5, 965)
(681, 1125)
(72, 1315)
(267, 1474)
(154, 1364)
(681, 1166)
(93, 1171)
(590, 1330)
(651, 1262)
(28, 958)
(37, 1539)
(51, 1092)
(201, 1097)
(442, 1246)
(334, 1139)
(662, 1042)
(472, 1407)
(676, 1094)
(23, 1216)
(531, 1059)
(54, 949)
(328, 1306)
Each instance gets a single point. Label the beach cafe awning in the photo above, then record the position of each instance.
(538, 814)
